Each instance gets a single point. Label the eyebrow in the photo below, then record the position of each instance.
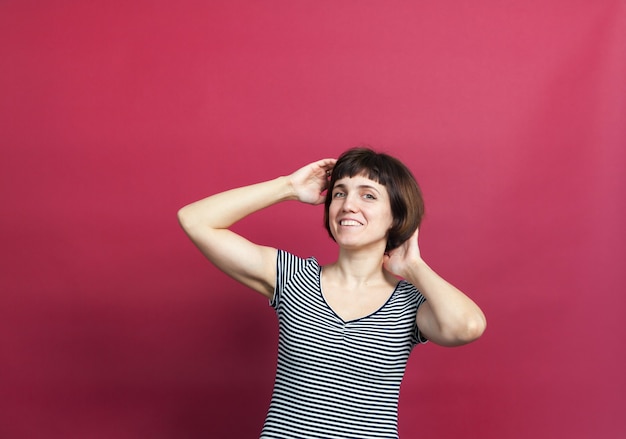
(361, 186)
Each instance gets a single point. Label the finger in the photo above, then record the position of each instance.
(327, 164)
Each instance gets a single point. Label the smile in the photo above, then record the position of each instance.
(349, 223)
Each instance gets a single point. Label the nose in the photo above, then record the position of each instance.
(349, 204)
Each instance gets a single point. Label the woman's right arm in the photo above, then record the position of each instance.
(207, 223)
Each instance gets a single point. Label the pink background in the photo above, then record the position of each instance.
(114, 114)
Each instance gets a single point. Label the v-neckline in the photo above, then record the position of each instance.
(342, 319)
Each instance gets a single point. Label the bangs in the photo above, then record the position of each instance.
(369, 168)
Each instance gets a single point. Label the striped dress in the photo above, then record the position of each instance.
(336, 378)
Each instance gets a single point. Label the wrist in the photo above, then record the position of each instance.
(287, 188)
(416, 270)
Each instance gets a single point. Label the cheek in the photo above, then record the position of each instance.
(333, 208)
(332, 228)
(390, 220)
(331, 215)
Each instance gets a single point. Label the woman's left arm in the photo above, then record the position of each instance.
(448, 317)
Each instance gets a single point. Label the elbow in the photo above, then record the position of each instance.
(465, 331)
(180, 215)
(184, 218)
(475, 327)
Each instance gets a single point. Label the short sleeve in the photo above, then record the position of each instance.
(287, 265)
(419, 337)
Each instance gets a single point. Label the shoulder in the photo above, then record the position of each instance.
(289, 265)
(409, 291)
(287, 259)
(293, 270)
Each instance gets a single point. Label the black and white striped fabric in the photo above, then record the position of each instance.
(335, 378)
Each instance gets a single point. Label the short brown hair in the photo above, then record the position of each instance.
(405, 196)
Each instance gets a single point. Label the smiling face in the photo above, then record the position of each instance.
(359, 214)
(393, 180)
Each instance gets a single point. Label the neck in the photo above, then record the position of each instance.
(359, 267)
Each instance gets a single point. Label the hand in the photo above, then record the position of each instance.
(311, 181)
(399, 261)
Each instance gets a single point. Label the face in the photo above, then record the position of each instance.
(359, 213)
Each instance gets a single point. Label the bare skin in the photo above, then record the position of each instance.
(362, 278)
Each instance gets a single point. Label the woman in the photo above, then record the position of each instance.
(345, 329)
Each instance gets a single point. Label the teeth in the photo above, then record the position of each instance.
(349, 223)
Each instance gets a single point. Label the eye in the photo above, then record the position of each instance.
(369, 196)
(338, 194)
